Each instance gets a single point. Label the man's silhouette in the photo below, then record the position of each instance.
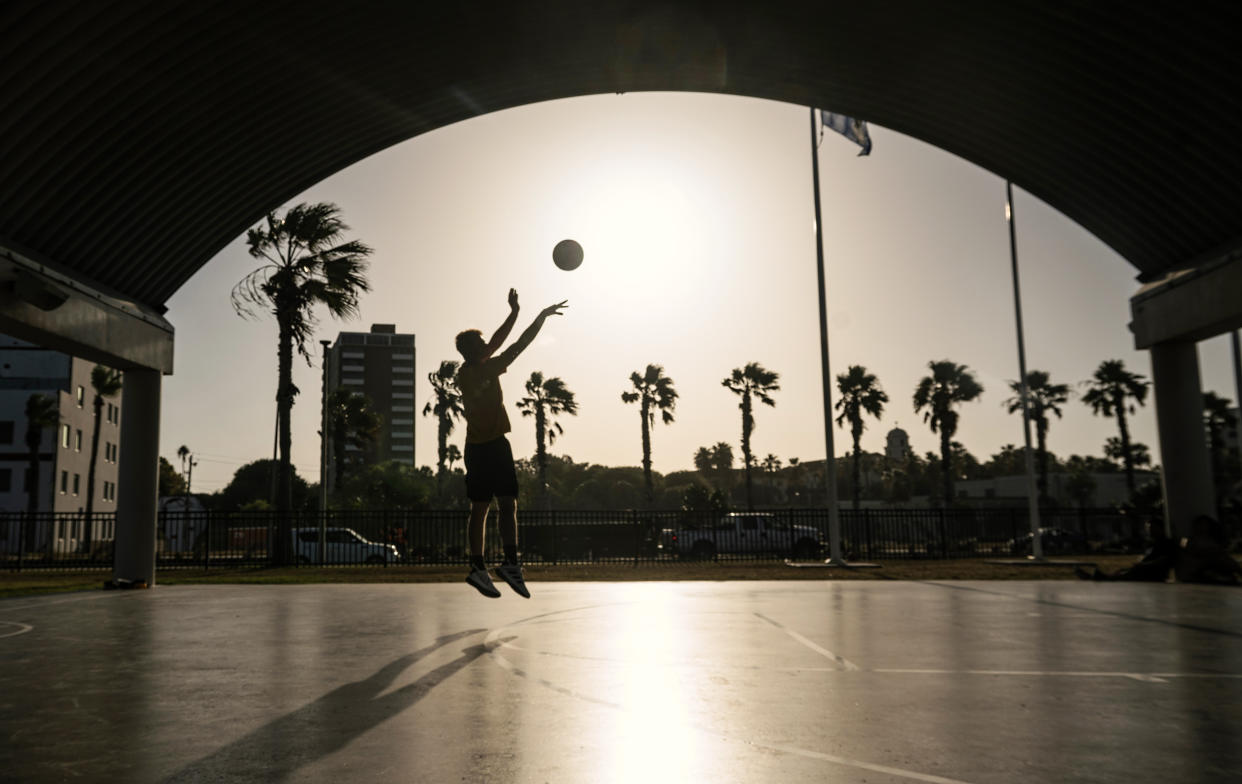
(489, 458)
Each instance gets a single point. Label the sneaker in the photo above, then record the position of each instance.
(512, 574)
(479, 579)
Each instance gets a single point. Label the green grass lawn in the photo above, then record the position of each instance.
(28, 583)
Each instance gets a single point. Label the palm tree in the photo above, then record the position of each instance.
(353, 421)
(106, 382)
(1042, 397)
(41, 412)
(949, 384)
(1218, 419)
(1109, 392)
(652, 391)
(860, 393)
(454, 454)
(305, 264)
(447, 407)
(752, 381)
(546, 398)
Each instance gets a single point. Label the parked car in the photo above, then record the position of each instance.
(744, 533)
(341, 546)
(1052, 540)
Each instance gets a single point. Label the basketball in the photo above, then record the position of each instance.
(567, 255)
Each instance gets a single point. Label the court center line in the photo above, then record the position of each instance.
(1145, 677)
(841, 660)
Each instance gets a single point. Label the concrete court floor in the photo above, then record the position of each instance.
(801, 681)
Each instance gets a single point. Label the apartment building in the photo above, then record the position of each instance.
(64, 451)
(380, 365)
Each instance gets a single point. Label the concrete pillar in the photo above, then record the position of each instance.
(137, 499)
(1188, 490)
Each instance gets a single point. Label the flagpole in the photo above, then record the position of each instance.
(834, 517)
(1037, 549)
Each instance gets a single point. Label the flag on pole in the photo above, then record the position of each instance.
(854, 130)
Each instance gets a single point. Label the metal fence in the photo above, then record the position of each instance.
(390, 537)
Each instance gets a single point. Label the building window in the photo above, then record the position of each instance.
(403, 369)
(77, 483)
(77, 441)
(352, 368)
(64, 482)
(81, 396)
(402, 409)
(403, 382)
(352, 381)
(64, 436)
(6, 480)
(6, 431)
(403, 447)
(352, 355)
(396, 421)
(402, 395)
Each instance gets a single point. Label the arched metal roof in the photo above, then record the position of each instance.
(138, 138)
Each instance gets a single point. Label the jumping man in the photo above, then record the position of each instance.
(489, 458)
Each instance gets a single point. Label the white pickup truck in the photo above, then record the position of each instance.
(743, 533)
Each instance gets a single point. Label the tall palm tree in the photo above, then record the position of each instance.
(1042, 398)
(41, 412)
(752, 381)
(106, 382)
(1109, 392)
(949, 385)
(652, 391)
(352, 421)
(306, 264)
(546, 399)
(447, 407)
(860, 393)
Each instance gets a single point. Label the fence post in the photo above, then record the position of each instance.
(21, 540)
(944, 535)
(556, 540)
(207, 541)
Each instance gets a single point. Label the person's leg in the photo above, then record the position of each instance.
(508, 527)
(511, 571)
(478, 525)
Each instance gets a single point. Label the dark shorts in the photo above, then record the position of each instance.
(489, 470)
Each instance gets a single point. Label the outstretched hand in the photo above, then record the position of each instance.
(513, 302)
(554, 310)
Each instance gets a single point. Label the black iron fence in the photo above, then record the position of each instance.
(390, 537)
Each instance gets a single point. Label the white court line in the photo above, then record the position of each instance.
(22, 628)
(6, 607)
(1146, 677)
(841, 660)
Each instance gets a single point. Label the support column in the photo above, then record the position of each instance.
(137, 499)
(1188, 490)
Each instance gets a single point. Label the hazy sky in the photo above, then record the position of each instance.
(696, 216)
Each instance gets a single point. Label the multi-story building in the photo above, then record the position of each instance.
(64, 453)
(380, 365)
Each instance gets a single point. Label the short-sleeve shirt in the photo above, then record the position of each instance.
(483, 401)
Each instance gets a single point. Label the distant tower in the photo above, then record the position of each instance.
(898, 445)
(380, 365)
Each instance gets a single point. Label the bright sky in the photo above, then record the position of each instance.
(696, 216)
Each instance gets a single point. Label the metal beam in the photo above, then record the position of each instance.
(1191, 304)
(56, 311)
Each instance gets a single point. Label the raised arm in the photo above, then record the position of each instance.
(502, 334)
(524, 340)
